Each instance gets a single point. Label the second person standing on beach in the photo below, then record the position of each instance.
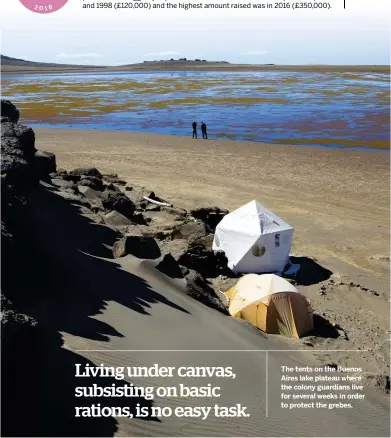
(203, 130)
(194, 129)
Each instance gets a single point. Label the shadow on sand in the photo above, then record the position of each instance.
(310, 272)
(59, 281)
(324, 329)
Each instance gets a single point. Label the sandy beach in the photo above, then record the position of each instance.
(109, 311)
(336, 200)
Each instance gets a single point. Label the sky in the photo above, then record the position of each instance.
(360, 34)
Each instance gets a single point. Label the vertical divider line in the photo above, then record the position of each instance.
(267, 384)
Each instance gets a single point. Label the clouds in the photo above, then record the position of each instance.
(166, 53)
(79, 55)
(256, 52)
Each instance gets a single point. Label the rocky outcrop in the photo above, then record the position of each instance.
(119, 202)
(9, 111)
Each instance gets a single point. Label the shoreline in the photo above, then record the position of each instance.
(10, 70)
(300, 145)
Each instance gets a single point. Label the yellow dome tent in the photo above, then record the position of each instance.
(272, 304)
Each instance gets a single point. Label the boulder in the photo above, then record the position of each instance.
(9, 111)
(23, 133)
(116, 219)
(211, 216)
(17, 152)
(170, 267)
(204, 260)
(69, 177)
(14, 163)
(180, 213)
(112, 188)
(62, 184)
(74, 198)
(90, 171)
(198, 288)
(45, 164)
(88, 192)
(91, 181)
(176, 248)
(120, 203)
(113, 179)
(135, 196)
(190, 231)
(139, 246)
(110, 191)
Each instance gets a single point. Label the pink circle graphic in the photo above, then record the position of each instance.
(43, 6)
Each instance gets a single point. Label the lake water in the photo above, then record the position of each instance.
(319, 109)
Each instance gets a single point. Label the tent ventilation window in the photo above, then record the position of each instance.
(258, 250)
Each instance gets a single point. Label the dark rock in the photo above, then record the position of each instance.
(93, 182)
(205, 261)
(179, 212)
(138, 218)
(136, 197)
(190, 231)
(151, 207)
(139, 246)
(58, 182)
(9, 110)
(69, 177)
(91, 171)
(114, 180)
(170, 267)
(176, 248)
(157, 234)
(88, 192)
(198, 288)
(211, 216)
(184, 270)
(23, 133)
(117, 219)
(74, 198)
(17, 152)
(97, 206)
(45, 164)
(13, 162)
(113, 188)
(120, 203)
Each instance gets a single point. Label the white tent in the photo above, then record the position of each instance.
(254, 239)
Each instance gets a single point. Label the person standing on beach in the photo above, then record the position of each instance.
(194, 130)
(203, 130)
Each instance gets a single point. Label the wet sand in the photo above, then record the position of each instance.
(26, 68)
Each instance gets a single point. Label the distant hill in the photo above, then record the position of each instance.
(10, 65)
(9, 61)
